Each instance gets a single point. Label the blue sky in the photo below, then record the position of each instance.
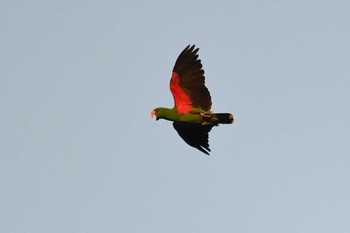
(80, 152)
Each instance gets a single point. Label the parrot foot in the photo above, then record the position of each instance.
(206, 114)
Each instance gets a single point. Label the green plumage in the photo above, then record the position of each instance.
(195, 116)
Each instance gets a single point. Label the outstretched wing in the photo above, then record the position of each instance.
(187, 83)
(194, 135)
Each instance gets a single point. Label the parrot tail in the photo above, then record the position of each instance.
(224, 118)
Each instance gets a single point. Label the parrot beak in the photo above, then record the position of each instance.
(153, 113)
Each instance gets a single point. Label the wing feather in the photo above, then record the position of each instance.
(194, 135)
(187, 83)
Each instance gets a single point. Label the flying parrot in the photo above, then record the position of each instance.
(191, 115)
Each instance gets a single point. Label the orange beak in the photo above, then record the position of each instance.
(153, 113)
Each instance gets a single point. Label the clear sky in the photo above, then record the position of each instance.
(80, 153)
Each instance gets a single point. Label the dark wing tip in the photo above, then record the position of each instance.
(205, 150)
(188, 54)
(195, 135)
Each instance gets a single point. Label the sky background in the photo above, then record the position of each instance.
(80, 153)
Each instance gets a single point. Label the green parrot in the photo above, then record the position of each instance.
(191, 115)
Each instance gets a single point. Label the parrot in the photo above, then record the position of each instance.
(191, 115)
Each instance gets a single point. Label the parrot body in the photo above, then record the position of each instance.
(191, 115)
